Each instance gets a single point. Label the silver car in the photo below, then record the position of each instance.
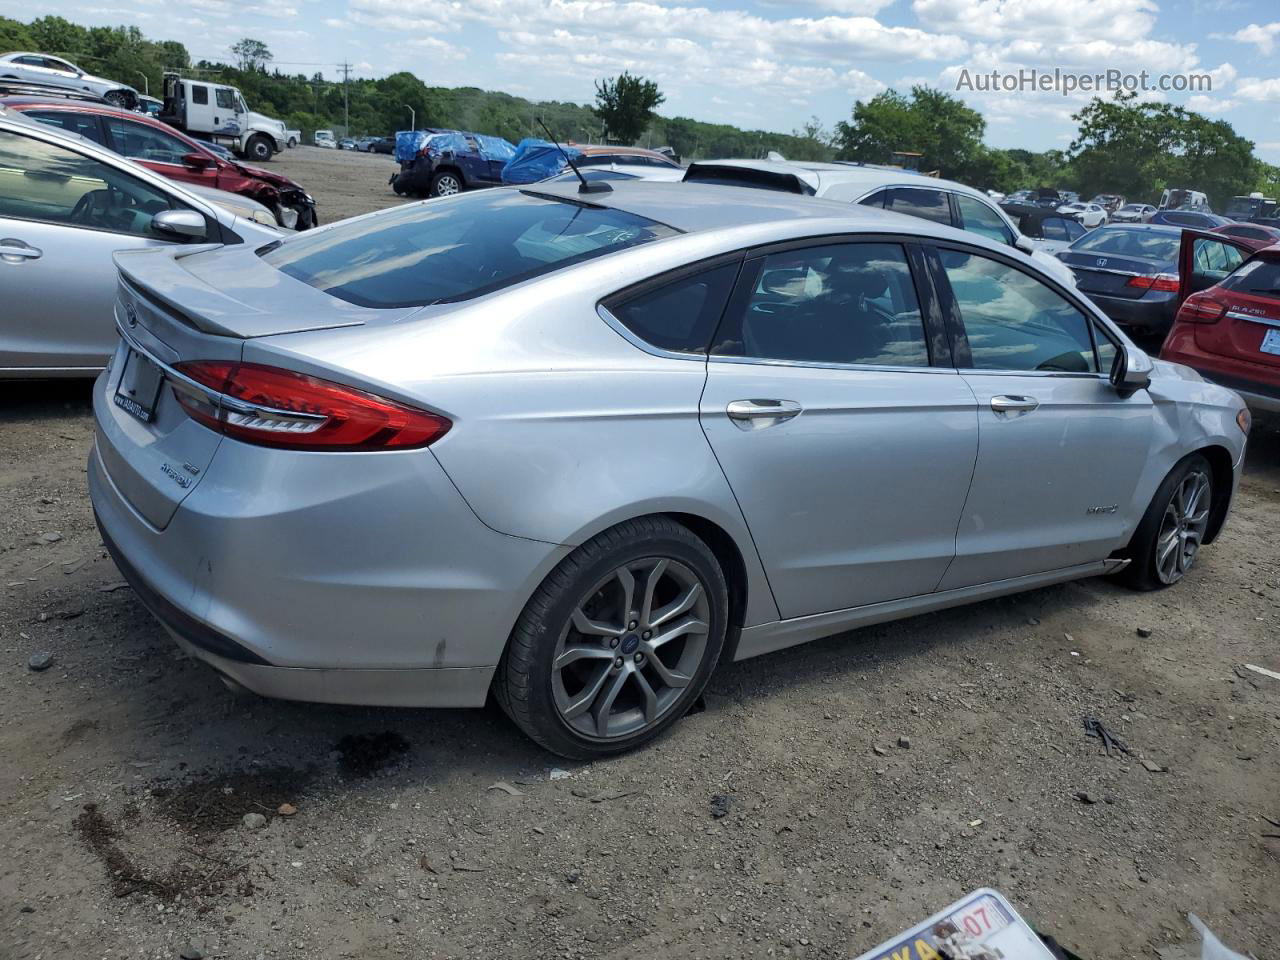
(32, 67)
(66, 205)
(576, 449)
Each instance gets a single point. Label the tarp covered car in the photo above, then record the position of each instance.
(536, 160)
(437, 163)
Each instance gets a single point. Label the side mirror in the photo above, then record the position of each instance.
(197, 161)
(180, 224)
(1023, 243)
(1131, 371)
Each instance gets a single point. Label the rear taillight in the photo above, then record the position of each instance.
(1160, 282)
(280, 408)
(1202, 310)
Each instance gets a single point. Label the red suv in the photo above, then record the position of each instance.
(1228, 327)
(161, 148)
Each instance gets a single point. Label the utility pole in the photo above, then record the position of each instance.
(346, 104)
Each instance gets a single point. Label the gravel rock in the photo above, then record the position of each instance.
(286, 809)
(254, 821)
(41, 660)
(720, 805)
(904, 743)
(1143, 631)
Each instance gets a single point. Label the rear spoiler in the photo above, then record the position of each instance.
(735, 176)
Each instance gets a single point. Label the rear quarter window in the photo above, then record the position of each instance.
(679, 315)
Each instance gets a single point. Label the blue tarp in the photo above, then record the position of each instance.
(408, 143)
(536, 160)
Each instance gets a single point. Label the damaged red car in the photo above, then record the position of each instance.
(166, 151)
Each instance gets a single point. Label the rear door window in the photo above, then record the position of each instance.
(918, 202)
(681, 315)
(847, 303)
(84, 125)
(457, 249)
(199, 93)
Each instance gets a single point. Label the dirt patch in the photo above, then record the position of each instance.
(212, 803)
(126, 877)
(369, 754)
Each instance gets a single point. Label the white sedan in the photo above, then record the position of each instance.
(1090, 214)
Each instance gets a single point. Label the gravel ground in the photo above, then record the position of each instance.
(864, 780)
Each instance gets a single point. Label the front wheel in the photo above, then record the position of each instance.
(293, 142)
(445, 184)
(618, 641)
(258, 149)
(1168, 540)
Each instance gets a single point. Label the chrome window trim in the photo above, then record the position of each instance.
(1057, 374)
(820, 365)
(620, 328)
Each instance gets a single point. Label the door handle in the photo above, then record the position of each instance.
(12, 250)
(1014, 404)
(752, 414)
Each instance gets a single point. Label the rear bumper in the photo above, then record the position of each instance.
(375, 590)
(1141, 313)
(1258, 386)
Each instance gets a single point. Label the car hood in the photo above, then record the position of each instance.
(274, 179)
(261, 118)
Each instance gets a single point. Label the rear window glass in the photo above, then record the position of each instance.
(1131, 243)
(1259, 277)
(451, 250)
(915, 202)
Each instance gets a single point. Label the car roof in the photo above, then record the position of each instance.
(698, 207)
(1144, 227)
(821, 177)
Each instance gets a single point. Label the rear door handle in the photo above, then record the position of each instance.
(1014, 404)
(12, 250)
(753, 414)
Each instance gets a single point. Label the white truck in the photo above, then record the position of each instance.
(217, 112)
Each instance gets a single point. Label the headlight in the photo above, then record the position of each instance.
(263, 217)
(290, 217)
(1244, 421)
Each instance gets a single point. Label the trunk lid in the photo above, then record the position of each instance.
(1243, 331)
(232, 292)
(1110, 274)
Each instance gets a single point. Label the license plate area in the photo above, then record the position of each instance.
(139, 388)
(1271, 343)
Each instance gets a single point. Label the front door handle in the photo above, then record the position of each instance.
(12, 250)
(753, 414)
(1014, 404)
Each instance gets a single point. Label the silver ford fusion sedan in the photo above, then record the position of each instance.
(578, 448)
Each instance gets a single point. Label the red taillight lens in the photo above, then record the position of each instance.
(1161, 282)
(1202, 310)
(281, 408)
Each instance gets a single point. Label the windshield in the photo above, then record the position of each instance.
(1148, 245)
(445, 251)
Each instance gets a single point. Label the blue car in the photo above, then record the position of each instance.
(1198, 219)
(439, 163)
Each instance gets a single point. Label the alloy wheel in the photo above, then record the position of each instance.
(1182, 528)
(447, 186)
(630, 649)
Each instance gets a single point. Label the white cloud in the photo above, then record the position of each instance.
(1204, 104)
(1258, 88)
(1039, 19)
(1262, 36)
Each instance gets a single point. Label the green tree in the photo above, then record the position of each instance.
(14, 35)
(626, 105)
(1139, 149)
(814, 142)
(251, 54)
(935, 124)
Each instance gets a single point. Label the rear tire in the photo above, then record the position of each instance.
(445, 184)
(293, 142)
(618, 641)
(1167, 541)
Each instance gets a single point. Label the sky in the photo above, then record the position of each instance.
(758, 64)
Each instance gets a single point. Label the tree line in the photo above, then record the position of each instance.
(1121, 145)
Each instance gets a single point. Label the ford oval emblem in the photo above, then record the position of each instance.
(131, 314)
